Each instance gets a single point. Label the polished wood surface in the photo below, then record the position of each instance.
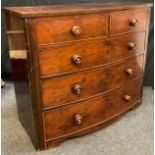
(90, 26)
(77, 68)
(59, 60)
(59, 90)
(51, 143)
(74, 9)
(125, 20)
(84, 114)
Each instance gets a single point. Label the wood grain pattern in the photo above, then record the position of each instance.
(74, 9)
(47, 29)
(122, 20)
(34, 87)
(58, 60)
(60, 122)
(58, 91)
(51, 143)
(83, 68)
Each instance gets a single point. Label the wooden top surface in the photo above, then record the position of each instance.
(54, 10)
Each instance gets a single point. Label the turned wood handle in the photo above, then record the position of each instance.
(132, 46)
(77, 119)
(133, 22)
(129, 71)
(127, 97)
(76, 59)
(76, 88)
(76, 30)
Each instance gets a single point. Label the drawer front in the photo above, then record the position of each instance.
(80, 116)
(73, 58)
(69, 28)
(128, 21)
(76, 57)
(126, 46)
(61, 90)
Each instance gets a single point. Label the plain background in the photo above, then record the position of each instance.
(5, 62)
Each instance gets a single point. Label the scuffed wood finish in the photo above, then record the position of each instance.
(59, 60)
(59, 90)
(76, 68)
(122, 22)
(90, 26)
(74, 9)
(57, 141)
(120, 48)
(61, 122)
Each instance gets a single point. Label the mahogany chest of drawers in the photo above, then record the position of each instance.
(76, 68)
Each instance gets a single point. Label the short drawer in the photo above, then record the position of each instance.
(126, 46)
(71, 88)
(69, 28)
(128, 21)
(83, 115)
(76, 57)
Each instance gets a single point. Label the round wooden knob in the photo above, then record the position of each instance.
(77, 119)
(129, 71)
(132, 46)
(133, 22)
(76, 88)
(76, 59)
(127, 97)
(76, 30)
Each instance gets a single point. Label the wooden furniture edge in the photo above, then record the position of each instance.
(57, 141)
(105, 8)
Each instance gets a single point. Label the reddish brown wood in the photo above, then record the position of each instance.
(59, 60)
(74, 9)
(90, 26)
(84, 66)
(57, 141)
(34, 87)
(58, 91)
(61, 122)
(123, 21)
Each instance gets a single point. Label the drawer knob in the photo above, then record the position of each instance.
(76, 30)
(127, 97)
(132, 46)
(129, 71)
(76, 89)
(76, 59)
(133, 22)
(77, 119)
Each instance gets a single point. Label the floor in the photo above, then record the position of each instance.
(131, 135)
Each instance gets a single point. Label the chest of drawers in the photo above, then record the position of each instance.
(76, 68)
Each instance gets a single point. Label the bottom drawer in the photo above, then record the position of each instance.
(78, 117)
